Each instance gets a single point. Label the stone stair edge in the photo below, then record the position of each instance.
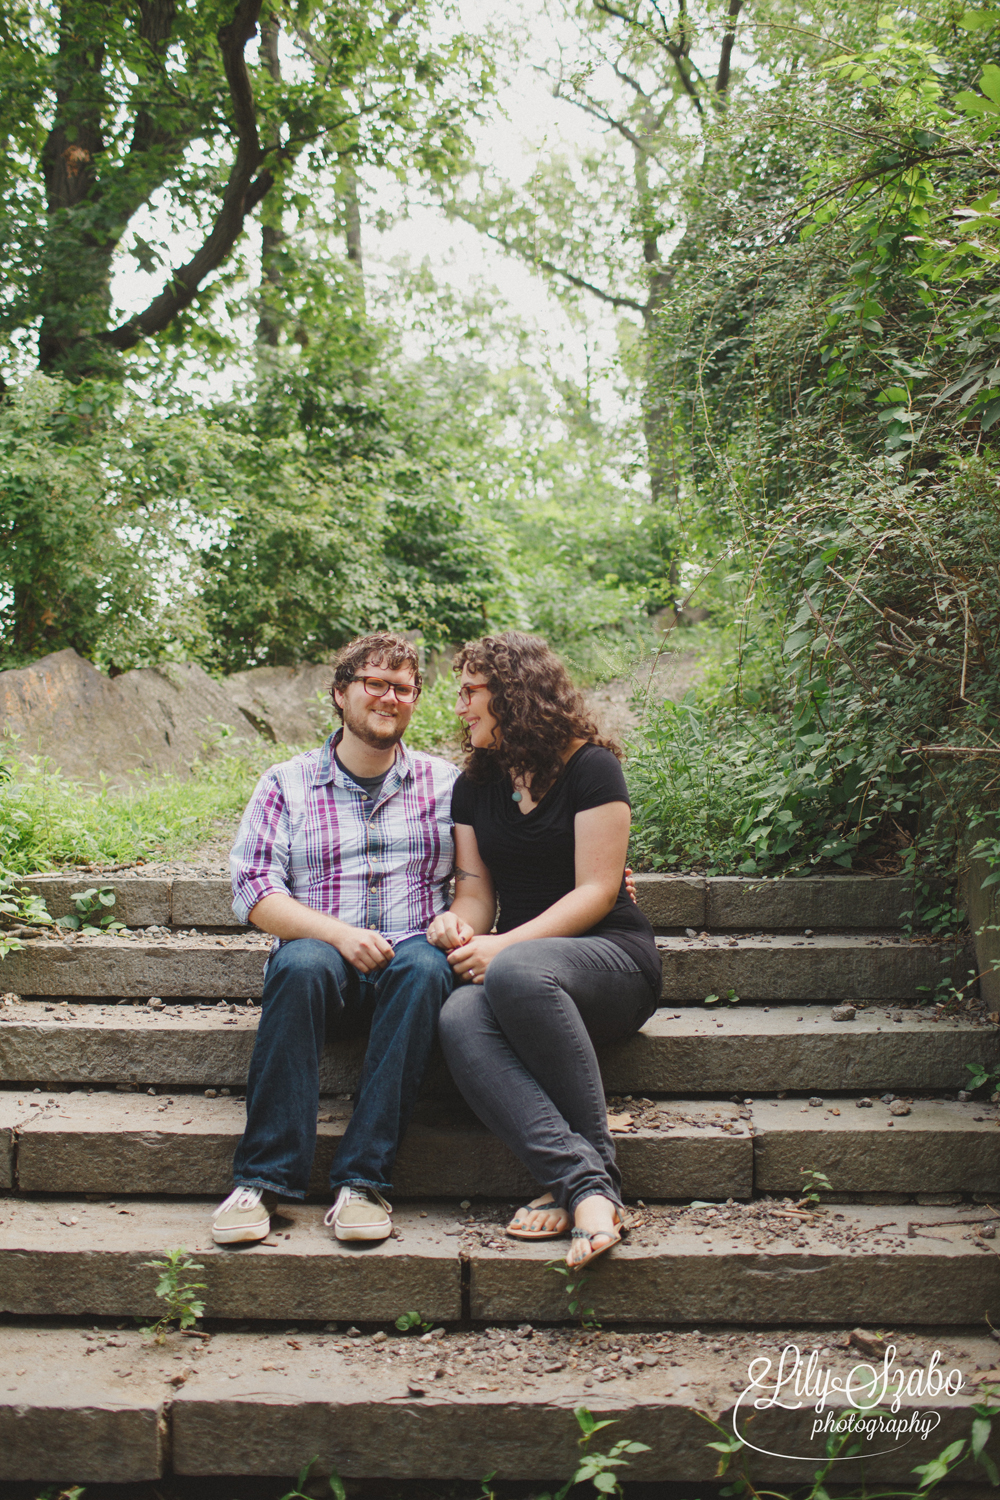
(835, 967)
(747, 1049)
(65, 1257)
(82, 1418)
(670, 901)
(97, 1142)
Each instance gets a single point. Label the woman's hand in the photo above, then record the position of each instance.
(449, 931)
(630, 885)
(473, 958)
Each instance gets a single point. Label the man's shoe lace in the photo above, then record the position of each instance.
(354, 1195)
(242, 1198)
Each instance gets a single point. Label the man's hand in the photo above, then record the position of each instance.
(367, 951)
(473, 958)
(448, 931)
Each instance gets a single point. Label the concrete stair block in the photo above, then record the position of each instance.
(745, 1049)
(132, 1143)
(664, 1272)
(823, 902)
(262, 1404)
(71, 1258)
(739, 903)
(101, 967)
(139, 901)
(941, 1146)
(831, 968)
(671, 901)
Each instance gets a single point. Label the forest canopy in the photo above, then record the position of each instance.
(782, 220)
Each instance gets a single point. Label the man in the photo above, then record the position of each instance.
(344, 855)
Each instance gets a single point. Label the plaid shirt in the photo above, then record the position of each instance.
(312, 833)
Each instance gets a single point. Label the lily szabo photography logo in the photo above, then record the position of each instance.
(864, 1401)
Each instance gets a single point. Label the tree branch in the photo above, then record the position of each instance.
(726, 54)
(243, 191)
(612, 298)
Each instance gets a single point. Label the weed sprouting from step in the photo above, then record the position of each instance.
(21, 911)
(68, 1492)
(93, 913)
(577, 1282)
(982, 1077)
(814, 1182)
(412, 1322)
(334, 1480)
(598, 1469)
(730, 995)
(183, 1305)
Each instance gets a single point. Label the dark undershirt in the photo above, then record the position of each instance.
(531, 855)
(370, 785)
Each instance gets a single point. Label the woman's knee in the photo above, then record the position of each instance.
(462, 1016)
(518, 976)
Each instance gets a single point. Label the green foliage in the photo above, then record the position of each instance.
(48, 820)
(177, 1292)
(577, 1284)
(334, 1480)
(599, 1469)
(105, 112)
(19, 907)
(92, 915)
(435, 726)
(982, 1077)
(814, 1182)
(412, 1322)
(829, 355)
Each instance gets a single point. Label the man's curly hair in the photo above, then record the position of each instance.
(536, 706)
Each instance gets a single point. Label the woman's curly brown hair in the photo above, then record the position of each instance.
(536, 706)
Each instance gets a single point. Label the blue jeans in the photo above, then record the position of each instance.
(310, 993)
(521, 1049)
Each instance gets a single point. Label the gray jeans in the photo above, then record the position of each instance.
(521, 1049)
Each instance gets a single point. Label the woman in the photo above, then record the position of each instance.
(541, 818)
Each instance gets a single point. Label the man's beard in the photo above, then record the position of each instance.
(362, 728)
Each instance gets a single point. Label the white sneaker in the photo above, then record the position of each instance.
(360, 1214)
(241, 1218)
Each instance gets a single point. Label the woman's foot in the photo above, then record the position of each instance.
(596, 1225)
(541, 1219)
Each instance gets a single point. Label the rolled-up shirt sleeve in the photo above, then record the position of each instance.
(259, 858)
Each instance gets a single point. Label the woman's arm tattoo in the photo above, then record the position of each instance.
(465, 874)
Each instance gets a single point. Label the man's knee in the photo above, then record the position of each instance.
(424, 967)
(305, 967)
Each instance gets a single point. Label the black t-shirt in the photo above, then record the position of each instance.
(531, 855)
(370, 785)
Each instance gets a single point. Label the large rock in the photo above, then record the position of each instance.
(155, 718)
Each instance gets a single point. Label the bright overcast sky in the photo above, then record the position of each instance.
(525, 122)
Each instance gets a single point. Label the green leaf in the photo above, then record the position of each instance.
(990, 82)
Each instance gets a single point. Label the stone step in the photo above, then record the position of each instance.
(782, 968)
(115, 1143)
(825, 903)
(753, 1266)
(263, 1404)
(745, 1049)
(183, 1144)
(826, 967)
